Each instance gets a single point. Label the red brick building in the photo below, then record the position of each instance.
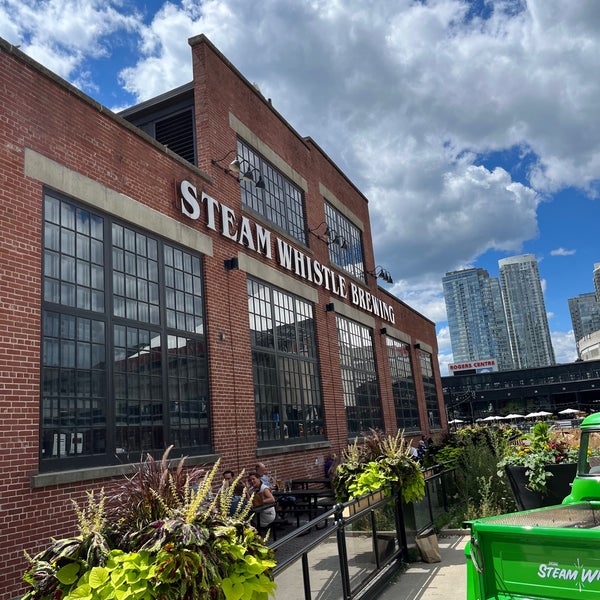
(191, 272)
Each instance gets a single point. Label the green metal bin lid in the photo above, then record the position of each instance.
(591, 421)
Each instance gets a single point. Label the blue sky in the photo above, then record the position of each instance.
(471, 126)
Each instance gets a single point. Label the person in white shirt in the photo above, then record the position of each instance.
(262, 496)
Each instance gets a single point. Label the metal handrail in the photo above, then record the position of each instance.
(296, 547)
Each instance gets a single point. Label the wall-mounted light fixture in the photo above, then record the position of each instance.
(339, 241)
(231, 264)
(233, 167)
(249, 176)
(382, 274)
(383, 331)
(240, 166)
(417, 346)
(326, 232)
(329, 236)
(329, 307)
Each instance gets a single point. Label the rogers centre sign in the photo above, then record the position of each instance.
(488, 365)
(222, 219)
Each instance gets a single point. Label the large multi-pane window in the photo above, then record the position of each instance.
(124, 367)
(287, 393)
(431, 399)
(345, 244)
(359, 377)
(279, 201)
(403, 386)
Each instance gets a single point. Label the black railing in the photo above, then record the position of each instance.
(352, 550)
(342, 552)
(441, 494)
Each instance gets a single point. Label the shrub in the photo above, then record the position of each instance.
(381, 460)
(160, 536)
(535, 450)
(475, 451)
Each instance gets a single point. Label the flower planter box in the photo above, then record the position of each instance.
(559, 485)
(363, 503)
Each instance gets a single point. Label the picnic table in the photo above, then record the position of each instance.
(308, 483)
(304, 501)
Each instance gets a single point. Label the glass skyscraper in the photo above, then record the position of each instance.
(585, 314)
(525, 311)
(476, 317)
(597, 281)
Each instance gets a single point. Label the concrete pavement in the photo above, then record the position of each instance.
(446, 580)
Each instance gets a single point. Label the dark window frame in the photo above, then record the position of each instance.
(280, 201)
(430, 390)
(287, 388)
(360, 383)
(95, 362)
(349, 257)
(403, 385)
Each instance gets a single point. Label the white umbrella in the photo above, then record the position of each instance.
(455, 421)
(569, 411)
(532, 415)
(514, 416)
(544, 413)
(491, 418)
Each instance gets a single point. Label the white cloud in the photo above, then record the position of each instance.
(165, 61)
(63, 34)
(444, 350)
(404, 98)
(417, 102)
(563, 343)
(562, 252)
(437, 230)
(424, 296)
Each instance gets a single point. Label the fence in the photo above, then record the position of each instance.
(441, 494)
(352, 550)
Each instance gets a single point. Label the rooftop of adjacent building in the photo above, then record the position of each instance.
(513, 260)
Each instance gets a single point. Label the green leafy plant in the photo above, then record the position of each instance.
(379, 461)
(161, 535)
(475, 488)
(541, 447)
(488, 505)
(124, 575)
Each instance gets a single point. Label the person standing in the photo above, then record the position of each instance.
(421, 451)
(413, 453)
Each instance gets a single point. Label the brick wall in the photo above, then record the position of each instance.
(43, 114)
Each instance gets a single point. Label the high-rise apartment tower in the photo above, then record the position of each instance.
(476, 317)
(585, 314)
(597, 281)
(525, 310)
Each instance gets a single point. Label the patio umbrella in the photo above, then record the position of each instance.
(455, 421)
(514, 416)
(569, 411)
(532, 415)
(491, 418)
(544, 413)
